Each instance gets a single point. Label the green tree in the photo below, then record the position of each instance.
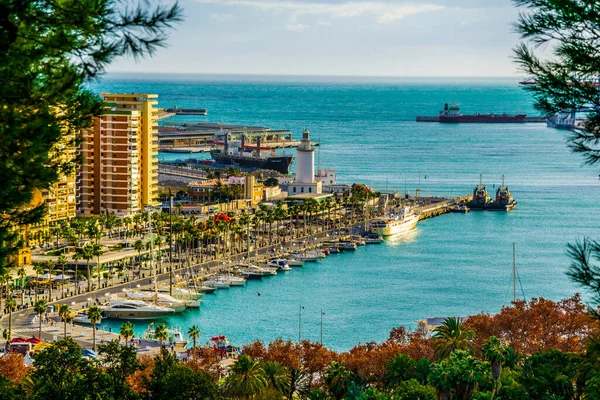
(553, 375)
(85, 252)
(194, 334)
(399, 369)
(276, 377)
(566, 81)
(337, 380)
(246, 378)
(494, 352)
(49, 50)
(171, 380)
(126, 330)
(161, 333)
(22, 275)
(413, 390)
(40, 308)
(452, 335)
(120, 362)
(64, 311)
(9, 306)
(94, 314)
(138, 245)
(62, 261)
(458, 376)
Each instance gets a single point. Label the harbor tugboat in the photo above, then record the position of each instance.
(480, 197)
(504, 201)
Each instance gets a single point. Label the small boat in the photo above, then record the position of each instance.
(292, 262)
(373, 239)
(204, 289)
(249, 274)
(279, 264)
(348, 245)
(333, 250)
(231, 280)
(306, 257)
(461, 208)
(216, 284)
(82, 318)
(360, 241)
(175, 337)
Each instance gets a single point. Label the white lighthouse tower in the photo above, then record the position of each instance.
(305, 160)
(305, 168)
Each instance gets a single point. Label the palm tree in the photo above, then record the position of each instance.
(246, 378)
(94, 314)
(494, 352)
(126, 331)
(51, 271)
(276, 376)
(40, 308)
(22, 274)
(10, 306)
(62, 261)
(138, 245)
(97, 252)
(161, 333)
(84, 253)
(194, 334)
(4, 278)
(64, 311)
(337, 379)
(39, 269)
(452, 335)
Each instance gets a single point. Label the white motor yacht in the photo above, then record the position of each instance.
(292, 262)
(216, 284)
(82, 318)
(395, 224)
(175, 337)
(161, 299)
(279, 264)
(134, 309)
(231, 280)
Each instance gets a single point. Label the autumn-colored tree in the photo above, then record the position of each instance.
(13, 367)
(137, 381)
(539, 325)
(316, 358)
(256, 350)
(369, 361)
(206, 360)
(414, 343)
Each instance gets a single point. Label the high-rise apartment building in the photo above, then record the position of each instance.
(120, 169)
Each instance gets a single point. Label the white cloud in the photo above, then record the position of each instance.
(323, 23)
(383, 12)
(297, 27)
(222, 17)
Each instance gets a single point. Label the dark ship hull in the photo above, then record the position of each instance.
(500, 206)
(279, 163)
(483, 119)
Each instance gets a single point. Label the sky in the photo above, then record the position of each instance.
(338, 37)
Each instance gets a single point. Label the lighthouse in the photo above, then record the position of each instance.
(305, 169)
(305, 160)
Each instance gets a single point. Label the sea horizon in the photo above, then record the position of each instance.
(307, 78)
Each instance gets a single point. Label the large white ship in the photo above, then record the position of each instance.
(395, 224)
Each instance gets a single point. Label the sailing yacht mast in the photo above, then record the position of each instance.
(514, 272)
(152, 253)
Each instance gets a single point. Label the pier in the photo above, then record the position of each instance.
(434, 118)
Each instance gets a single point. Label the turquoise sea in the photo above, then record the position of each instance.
(452, 265)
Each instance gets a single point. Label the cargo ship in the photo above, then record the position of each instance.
(451, 114)
(235, 152)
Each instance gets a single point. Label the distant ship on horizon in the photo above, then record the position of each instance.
(451, 114)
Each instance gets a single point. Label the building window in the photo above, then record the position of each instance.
(294, 189)
(309, 190)
(302, 190)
